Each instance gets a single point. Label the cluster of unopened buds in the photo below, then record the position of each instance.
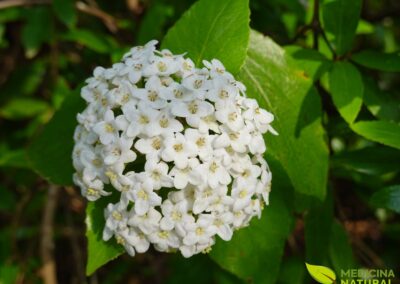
(180, 148)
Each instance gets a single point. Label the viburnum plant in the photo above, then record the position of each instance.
(198, 137)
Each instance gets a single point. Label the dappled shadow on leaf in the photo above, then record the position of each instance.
(310, 111)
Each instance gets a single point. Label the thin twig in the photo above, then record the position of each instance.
(93, 10)
(47, 243)
(76, 250)
(315, 24)
(15, 3)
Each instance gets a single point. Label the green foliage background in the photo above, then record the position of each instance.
(328, 70)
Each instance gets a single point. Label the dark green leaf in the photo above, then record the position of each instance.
(15, 159)
(94, 41)
(292, 271)
(375, 160)
(389, 62)
(388, 197)
(341, 18)
(318, 223)
(387, 133)
(23, 108)
(192, 270)
(340, 250)
(213, 29)
(8, 200)
(381, 104)
(311, 61)
(37, 29)
(153, 22)
(346, 88)
(51, 152)
(99, 251)
(289, 95)
(65, 11)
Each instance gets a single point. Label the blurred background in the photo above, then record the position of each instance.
(48, 48)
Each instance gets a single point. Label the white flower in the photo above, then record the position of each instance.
(175, 216)
(116, 217)
(187, 175)
(120, 151)
(214, 173)
(147, 223)
(201, 141)
(151, 147)
(107, 129)
(193, 111)
(165, 124)
(157, 174)
(231, 116)
(135, 121)
(200, 232)
(242, 194)
(93, 190)
(179, 149)
(144, 197)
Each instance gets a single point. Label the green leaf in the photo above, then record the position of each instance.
(374, 160)
(389, 62)
(340, 251)
(387, 133)
(94, 41)
(321, 274)
(153, 22)
(365, 27)
(65, 11)
(388, 197)
(346, 88)
(289, 95)
(51, 152)
(340, 18)
(381, 104)
(213, 29)
(37, 29)
(311, 61)
(292, 271)
(318, 222)
(8, 200)
(9, 273)
(259, 247)
(23, 108)
(15, 159)
(191, 270)
(99, 251)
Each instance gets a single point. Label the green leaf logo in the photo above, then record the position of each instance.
(321, 274)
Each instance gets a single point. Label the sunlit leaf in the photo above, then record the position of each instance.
(289, 95)
(387, 133)
(212, 29)
(346, 88)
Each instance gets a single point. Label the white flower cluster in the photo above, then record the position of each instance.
(181, 147)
